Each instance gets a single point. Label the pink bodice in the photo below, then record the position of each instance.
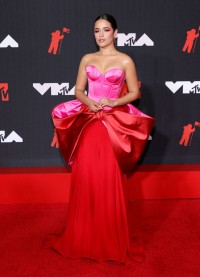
(106, 84)
(128, 128)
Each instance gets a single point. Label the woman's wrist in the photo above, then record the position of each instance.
(115, 103)
(87, 101)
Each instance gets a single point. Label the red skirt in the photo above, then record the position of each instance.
(97, 225)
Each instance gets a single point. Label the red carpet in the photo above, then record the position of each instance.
(22, 185)
(169, 230)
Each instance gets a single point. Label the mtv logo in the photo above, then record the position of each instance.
(4, 92)
(187, 86)
(130, 40)
(12, 137)
(55, 88)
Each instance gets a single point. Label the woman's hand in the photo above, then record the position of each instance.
(107, 102)
(93, 105)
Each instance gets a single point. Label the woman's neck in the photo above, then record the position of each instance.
(109, 51)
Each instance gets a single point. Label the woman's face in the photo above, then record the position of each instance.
(104, 33)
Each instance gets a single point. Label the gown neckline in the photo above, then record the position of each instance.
(103, 73)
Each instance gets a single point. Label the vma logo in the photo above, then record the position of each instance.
(4, 95)
(187, 87)
(130, 40)
(13, 137)
(9, 41)
(54, 88)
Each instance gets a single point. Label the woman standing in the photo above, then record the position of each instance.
(102, 136)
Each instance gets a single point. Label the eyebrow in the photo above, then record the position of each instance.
(103, 27)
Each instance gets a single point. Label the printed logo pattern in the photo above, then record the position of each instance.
(130, 40)
(56, 41)
(4, 95)
(54, 88)
(191, 40)
(187, 86)
(12, 137)
(55, 142)
(188, 132)
(9, 41)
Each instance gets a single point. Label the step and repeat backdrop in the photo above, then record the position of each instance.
(41, 44)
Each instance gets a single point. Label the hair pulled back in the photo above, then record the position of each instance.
(109, 18)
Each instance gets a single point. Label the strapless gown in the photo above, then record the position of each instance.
(102, 148)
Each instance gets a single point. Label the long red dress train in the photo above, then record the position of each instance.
(100, 147)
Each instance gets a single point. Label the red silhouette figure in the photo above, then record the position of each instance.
(191, 36)
(55, 140)
(55, 39)
(187, 134)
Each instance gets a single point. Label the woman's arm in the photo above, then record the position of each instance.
(132, 84)
(80, 86)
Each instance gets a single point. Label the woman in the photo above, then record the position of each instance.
(102, 136)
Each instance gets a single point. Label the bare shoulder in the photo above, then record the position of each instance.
(126, 59)
(87, 58)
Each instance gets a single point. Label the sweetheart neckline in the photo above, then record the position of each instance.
(106, 70)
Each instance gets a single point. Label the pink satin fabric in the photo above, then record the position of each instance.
(128, 127)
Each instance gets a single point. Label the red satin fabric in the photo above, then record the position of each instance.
(97, 225)
(128, 133)
(103, 146)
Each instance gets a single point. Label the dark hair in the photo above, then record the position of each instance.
(109, 18)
